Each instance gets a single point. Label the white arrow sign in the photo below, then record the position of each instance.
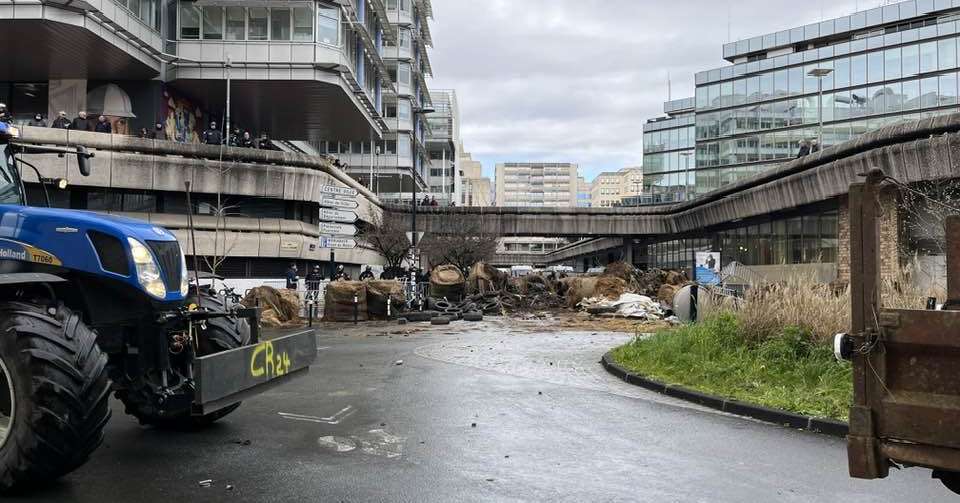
(333, 202)
(419, 237)
(334, 190)
(338, 229)
(337, 243)
(330, 215)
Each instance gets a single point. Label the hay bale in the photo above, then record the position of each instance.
(621, 270)
(485, 278)
(338, 302)
(447, 281)
(378, 292)
(675, 278)
(610, 287)
(579, 289)
(666, 293)
(280, 308)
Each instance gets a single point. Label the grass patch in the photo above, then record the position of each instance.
(790, 369)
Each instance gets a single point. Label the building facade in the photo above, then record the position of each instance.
(615, 188)
(477, 189)
(445, 181)
(668, 155)
(881, 66)
(531, 184)
(584, 193)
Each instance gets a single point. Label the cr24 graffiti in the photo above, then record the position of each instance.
(265, 362)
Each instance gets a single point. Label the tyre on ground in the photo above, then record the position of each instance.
(473, 316)
(440, 320)
(54, 393)
(220, 334)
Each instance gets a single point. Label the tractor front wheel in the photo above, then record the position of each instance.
(53, 393)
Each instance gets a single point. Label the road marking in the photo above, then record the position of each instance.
(334, 419)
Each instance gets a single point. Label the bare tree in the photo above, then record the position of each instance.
(460, 240)
(385, 235)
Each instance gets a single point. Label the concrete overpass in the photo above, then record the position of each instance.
(923, 150)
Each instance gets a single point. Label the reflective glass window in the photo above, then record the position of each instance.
(780, 86)
(713, 93)
(258, 23)
(841, 73)
(766, 85)
(911, 95)
(702, 101)
(753, 88)
(213, 23)
(910, 58)
(740, 91)
(303, 24)
(947, 54)
(874, 16)
(893, 97)
(328, 25)
(948, 89)
(929, 89)
(891, 64)
(726, 93)
(236, 23)
(841, 105)
(280, 23)
(875, 67)
(795, 79)
(189, 21)
(928, 57)
(858, 70)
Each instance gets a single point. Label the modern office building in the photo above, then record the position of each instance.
(584, 190)
(614, 188)
(668, 155)
(537, 184)
(300, 71)
(477, 189)
(391, 163)
(445, 177)
(888, 64)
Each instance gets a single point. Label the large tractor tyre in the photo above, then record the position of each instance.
(220, 334)
(54, 393)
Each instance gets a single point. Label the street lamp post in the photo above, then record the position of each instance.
(413, 180)
(819, 74)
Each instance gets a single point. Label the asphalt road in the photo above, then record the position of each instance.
(487, 412)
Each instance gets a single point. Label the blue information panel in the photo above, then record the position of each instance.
(708, 268)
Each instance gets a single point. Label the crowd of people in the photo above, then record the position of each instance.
(213, 135)
(808, 147)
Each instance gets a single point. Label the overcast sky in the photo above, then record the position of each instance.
(574, 80)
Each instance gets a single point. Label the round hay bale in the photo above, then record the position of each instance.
(666, 294)
(581, 288)
(485, 278)
(620, 270)
(610, 287)
(338, 302)
(283, 304)
(675, 278)
(378, 293)
(446, 281)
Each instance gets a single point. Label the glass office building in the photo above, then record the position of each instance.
(668, 149)
(890, 64)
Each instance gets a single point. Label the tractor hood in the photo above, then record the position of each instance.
(93, 243)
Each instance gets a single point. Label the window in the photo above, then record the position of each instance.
(236, 23)
(328, 25)
(403, 73)
(303, 24)
(189, 21)
(280, 23)
(928, 57)
(875, 67)
(928, 92)
(947, 54)
(858, 70)
(891, 63)
(403, 110)
(911, 60)
(258, 28)
(213, 23)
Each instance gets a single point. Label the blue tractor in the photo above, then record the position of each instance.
(92, 303)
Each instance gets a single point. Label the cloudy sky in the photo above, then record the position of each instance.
(574, 80)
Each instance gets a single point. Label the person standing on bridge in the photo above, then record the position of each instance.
(61, 122)
(293, 277)
(82, 123)
(367, 274)
(213, 136)
(804, 148)
(103, 125)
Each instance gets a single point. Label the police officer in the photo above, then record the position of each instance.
(213, 136)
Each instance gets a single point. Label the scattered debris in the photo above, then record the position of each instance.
(398, 362)
(206, 483)
(229, 487)
(628, 305)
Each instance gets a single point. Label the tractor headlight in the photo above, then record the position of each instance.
(184, 274)
(148, 271)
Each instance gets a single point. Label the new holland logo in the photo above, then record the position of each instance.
(15, 250)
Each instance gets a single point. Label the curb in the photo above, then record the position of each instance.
(759, 412)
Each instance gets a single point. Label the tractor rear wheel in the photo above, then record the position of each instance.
(54, 393)
(220, 334)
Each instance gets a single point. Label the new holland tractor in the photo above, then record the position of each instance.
(92, 304)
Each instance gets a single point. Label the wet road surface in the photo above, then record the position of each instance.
(483, 412)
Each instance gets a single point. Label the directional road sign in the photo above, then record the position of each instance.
(331, 215)
(333, 202)
(335, 190)
(419, 237)
(337, 243)
(338, 229)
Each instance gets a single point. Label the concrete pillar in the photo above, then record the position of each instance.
(628, 250)
(890, 236)
(69, 95)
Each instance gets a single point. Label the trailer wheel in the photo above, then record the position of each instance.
(220, 334)
(54, 393)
